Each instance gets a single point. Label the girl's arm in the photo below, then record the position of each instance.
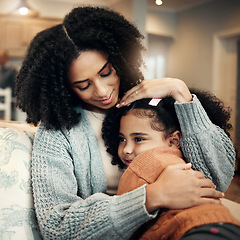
(204, 144)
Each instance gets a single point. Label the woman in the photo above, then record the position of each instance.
(72, 74)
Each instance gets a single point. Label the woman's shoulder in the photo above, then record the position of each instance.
(78, 133)
(50, 137)
(42, 130)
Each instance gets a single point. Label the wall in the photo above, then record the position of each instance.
(161, 23)
(202, 50)
(58, 8)
(125, 7)
(45, 8)
(191, 53)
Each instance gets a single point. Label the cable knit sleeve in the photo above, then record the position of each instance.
(205, 145)
(61, 209)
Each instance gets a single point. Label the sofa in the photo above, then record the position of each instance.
(17, 215)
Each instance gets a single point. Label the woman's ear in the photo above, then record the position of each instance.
(174, 139)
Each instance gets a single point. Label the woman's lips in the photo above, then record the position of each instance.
(108, 100)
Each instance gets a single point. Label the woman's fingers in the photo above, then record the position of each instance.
(132, 95)
(151, 88)
(203, 191)
(177, 188)
(206, 183)
(182, 166)
(157, 88)
(210, 193)
(210, 196)
(187, 166)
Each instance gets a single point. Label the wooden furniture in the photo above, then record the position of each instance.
(5, 103)
(17, 32)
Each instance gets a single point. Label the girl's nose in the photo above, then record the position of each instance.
(128, 149)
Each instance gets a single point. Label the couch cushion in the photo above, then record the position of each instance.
(17, 216)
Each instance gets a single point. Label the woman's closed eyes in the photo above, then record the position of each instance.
(105, 72)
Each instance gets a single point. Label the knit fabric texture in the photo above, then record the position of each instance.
(69, 181)
(69, 185)
(170, 224)
(206, 145)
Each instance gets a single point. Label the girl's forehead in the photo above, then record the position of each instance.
(147, 116)
(143, 113)
(136, 117)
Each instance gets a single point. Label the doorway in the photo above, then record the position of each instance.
(156, 59)
(237, 136)
(225, 75)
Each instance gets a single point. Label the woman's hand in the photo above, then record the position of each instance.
(179, 187)
(157, 88)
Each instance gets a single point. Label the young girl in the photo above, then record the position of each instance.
(73, 73)
(149, 141)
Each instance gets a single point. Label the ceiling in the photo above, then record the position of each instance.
(176, 5)
(168, 5)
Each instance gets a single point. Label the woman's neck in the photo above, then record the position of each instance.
(93, 108)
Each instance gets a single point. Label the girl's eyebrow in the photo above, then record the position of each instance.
(81, 81)
(134, 134)
(139, 134)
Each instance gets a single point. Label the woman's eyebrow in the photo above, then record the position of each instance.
(81, 81)
(104, 66)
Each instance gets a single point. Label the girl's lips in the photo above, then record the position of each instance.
(108, 100)
(127, 162)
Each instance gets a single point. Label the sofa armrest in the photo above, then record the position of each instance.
(18, 125)
(17, 214)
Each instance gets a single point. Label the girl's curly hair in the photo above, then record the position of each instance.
(163, 118)
(42, 89)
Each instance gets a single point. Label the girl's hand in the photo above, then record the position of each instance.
(157, 88)
(178, 188)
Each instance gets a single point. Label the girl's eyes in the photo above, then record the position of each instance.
(121, 139)
(138, 139)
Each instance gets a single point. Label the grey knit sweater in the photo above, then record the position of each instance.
(69, 180)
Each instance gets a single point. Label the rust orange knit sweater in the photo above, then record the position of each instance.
(170, 224)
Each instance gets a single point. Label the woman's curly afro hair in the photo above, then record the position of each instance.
(163, 118)
(42, 89)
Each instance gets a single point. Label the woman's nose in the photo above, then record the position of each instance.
(101, 89)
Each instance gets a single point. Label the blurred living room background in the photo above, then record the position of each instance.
(197, 41)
